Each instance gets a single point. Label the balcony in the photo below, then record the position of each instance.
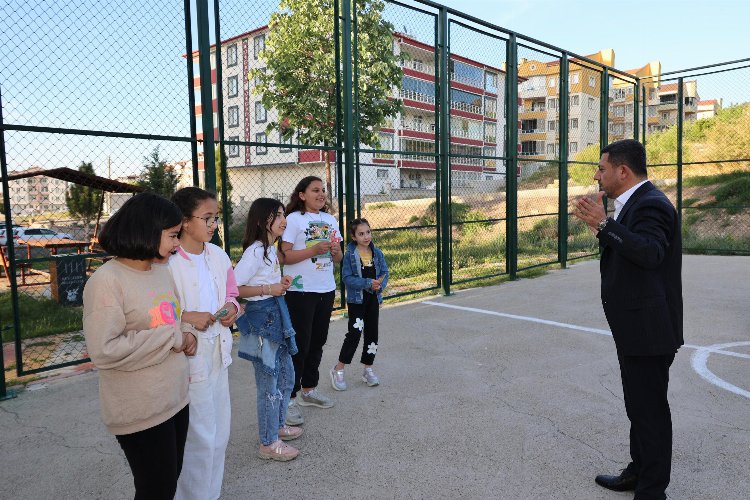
(418, 66)
(469, 108)
(417, 96)
(532, 130)
(417, 126)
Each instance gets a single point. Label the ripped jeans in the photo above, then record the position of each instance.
(273, 392)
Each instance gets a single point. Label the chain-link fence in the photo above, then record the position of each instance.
(462, 143)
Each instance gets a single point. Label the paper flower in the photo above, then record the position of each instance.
(372, 348)
(359, 324)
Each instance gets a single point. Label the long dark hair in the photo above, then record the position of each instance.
(296, 204)
(262, 213)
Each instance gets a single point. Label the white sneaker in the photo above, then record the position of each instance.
(337, 379)
(369, 377)
(293, 414)
(314, 398)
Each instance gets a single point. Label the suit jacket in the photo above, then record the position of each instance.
(641, 269)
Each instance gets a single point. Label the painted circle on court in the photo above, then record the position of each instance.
(700, 365)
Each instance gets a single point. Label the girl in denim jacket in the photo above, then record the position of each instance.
(267, 336)
(365, 275)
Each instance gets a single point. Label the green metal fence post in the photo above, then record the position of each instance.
(191, 91)
(604, 116)
(444, 158)
(562, 213)
(636, 119)
(645, 116)
(222, 154)
(511, 170)
(339, 135)
(436, 159)
(355, 50)
(4, 393)
(207, 105)
(680, 124)
(348, 110)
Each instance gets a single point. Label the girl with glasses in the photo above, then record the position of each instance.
(205, 283)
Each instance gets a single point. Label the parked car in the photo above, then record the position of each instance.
(33, 233)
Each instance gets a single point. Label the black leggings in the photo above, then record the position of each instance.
(311, 314)
(155, 457)
(368, 312)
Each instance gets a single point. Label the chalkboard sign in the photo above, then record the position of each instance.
(67, 276)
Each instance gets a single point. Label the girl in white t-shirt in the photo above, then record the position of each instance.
(267, 336)
(310, 247)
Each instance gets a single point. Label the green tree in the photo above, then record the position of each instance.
(83, 201)
(221, 163)
(157, 176)
(299, 81)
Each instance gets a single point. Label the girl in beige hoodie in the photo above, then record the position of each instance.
(135, 338)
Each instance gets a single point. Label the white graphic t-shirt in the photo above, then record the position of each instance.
(253, 269)
(304, 231)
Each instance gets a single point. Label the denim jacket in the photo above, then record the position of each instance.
(351, 273)
(264, 327)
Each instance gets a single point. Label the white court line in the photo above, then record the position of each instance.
(699, 358)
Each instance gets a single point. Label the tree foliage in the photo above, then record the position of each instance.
(83, 201)
(157, 176)
(299, 80)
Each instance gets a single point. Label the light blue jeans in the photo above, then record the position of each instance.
(273, 392)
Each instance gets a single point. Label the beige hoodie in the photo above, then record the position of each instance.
(132, 328)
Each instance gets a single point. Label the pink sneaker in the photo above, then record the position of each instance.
(288, 433)
(279, 451)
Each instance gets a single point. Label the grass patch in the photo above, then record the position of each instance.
(383, 204)
(707, 180)
(39, 317)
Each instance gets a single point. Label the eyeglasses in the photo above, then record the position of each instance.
(210, 221)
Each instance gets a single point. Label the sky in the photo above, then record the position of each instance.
(98, 65)
(680, 33)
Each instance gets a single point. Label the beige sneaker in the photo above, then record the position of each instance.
(288, 433)
(279, 451)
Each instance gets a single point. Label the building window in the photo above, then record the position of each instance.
(574, 123)
(259, 45)
(490, 82)
(574, 100)
(386, 142)
(574, 78)
(552, 82)
(256, 79)
(573, 147)
(665, 116)
(260, 113)
(590, 125)
(592, 102)
(552, 103)
(490, 132)
(552, 125)
(619, 94)
(287, 144)
(618, 111)
(233, 116)
(592, 81)
(550, 149)
(234, 149)
(262, 148)
(490, 107)
(629, 109)
(232, 86)
(382, 173)
(232, 55)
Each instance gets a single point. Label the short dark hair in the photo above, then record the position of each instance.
(134, 231)
(628, 152)
(188, 199)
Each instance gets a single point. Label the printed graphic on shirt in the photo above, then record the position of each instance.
(297, 282)
(165, 309)
(316, 232)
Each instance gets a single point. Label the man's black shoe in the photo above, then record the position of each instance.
(626, 481)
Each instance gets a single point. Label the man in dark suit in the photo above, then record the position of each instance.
(641, 261)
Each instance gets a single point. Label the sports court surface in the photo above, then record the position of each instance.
(510, 391)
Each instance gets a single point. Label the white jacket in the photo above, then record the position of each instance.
(185, 276)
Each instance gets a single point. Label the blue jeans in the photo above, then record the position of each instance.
(273, 392)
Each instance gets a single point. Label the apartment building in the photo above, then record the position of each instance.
(37, 194)
(477, 126)
(662, 105)
(709, 108)
(540, 106)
